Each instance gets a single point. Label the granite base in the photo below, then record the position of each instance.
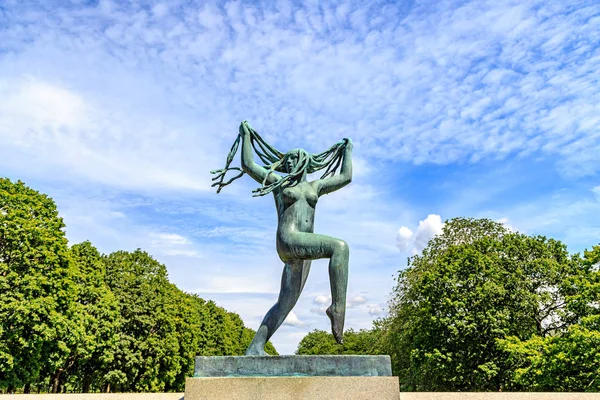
(294, 388)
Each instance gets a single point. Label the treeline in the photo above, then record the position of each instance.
(74, 320)
(483, 308)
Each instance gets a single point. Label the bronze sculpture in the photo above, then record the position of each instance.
(295, 200)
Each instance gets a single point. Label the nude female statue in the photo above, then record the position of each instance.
(297, 244)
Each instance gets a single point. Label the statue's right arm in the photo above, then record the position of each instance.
(256, 171)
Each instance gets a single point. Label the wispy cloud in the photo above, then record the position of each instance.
(172, 244)
(441, 83)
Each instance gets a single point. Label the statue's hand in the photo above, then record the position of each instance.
(348, 142)
(245, 129)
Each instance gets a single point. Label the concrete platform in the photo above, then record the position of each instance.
(294, 388)
(292, 377)
(265, 366)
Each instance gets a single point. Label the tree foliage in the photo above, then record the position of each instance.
(36, 287)
(73, 320)
(569, 361)
(97, 319)
(320, 342)
(481, 308)
(473, 285)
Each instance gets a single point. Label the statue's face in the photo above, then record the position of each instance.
(291, 160)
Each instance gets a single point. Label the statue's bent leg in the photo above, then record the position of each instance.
(338, 281)
(293, 279)
(313, 246)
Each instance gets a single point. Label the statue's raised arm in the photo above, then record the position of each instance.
(336, 182)
(296, 200)
(260, 174)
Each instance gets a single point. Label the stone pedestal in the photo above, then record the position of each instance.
(294, 388)
(292, 377)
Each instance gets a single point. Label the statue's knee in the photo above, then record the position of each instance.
(342, 248)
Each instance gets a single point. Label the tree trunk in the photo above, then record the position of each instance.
(27, 388)
(108, 388)
(61, 384)
(87, 382)
(55, 381)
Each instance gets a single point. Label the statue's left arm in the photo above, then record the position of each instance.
(336, 182)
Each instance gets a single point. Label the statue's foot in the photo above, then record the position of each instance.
(256, 351)
(337, 324)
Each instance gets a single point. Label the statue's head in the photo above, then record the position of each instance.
(293, 158)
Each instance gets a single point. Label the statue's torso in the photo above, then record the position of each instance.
(295, 211)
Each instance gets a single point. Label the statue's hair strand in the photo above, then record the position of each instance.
(330, 160)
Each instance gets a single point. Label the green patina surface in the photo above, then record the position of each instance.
(296, 198)
(239, 366)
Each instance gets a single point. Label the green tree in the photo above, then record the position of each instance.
(145, 357)
(474, 284)
(320, 342)
(97, 314)
(248, 335)
(224, 333)
(72, 320)
(36, 288)
(568, 360)
(189, 313)
(162, 329)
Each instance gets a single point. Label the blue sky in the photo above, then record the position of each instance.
(118, 110)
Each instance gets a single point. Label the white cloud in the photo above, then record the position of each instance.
(356, 301)
(322, 300)
(433, 83)
(404, 238)
(60, 129)
(172, 244)
(38, 104)
(292, 320)
(320, 304)
(415, 243)
(376, 310)
(168, 239)
(318, 310)
(160, 10)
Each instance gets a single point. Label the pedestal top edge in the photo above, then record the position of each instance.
(301, 356)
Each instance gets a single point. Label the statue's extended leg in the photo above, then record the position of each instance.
(292, 282)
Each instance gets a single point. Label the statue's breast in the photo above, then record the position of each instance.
(291, 195)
